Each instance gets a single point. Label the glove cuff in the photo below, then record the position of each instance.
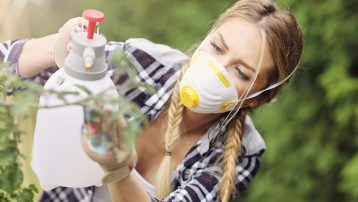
(121, 172)
(117, 175)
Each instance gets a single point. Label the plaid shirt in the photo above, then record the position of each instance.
(197, 177)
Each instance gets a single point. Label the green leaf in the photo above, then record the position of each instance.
(11, 178)
(350, 176)
(33, 188)
(25, 195)
(6, 158)
(22, 102)
(84, 89)
(4, 196)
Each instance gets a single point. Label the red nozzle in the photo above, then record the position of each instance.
(93, 16)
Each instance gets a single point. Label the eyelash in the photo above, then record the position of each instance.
(242, 74)
(221, 51)
(217, 47)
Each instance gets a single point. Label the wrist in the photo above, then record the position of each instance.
(117, 175)
(122, 171)
(51, 49)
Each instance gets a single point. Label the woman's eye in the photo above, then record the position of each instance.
(242, 74)
(217, 47)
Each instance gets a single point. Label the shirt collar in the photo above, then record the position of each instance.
(252, 141)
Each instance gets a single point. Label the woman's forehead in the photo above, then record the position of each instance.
(243, 39)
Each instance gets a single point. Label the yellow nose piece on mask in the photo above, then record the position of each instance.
(219, 74)
(189, 97)
(228, 106)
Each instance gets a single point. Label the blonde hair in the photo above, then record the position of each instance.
(285, 42)
(172, 134)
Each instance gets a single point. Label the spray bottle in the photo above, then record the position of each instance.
(57, 155)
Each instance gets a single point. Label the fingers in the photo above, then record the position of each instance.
(64, 41)
(73, 24)
(120, 125)
(103, 140)
(98, 139)
(103, 159)
(99, 143)
(91, 114)
(104, 134)
(69, 46)
(108, 160)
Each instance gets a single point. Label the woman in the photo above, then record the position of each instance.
(253, 46)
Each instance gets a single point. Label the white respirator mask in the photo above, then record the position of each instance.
(207, 87)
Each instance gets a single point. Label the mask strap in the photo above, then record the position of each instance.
(243, 97)
(273, 85)
(233, 113)
(228, 118)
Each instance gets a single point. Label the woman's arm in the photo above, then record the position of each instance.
(34, 56)
(37, 55)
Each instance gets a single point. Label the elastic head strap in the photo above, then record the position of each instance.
(233, 113)
(244, 95)
(273, 85)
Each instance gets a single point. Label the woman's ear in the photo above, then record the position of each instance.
(255, 102)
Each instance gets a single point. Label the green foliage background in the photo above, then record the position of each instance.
(311, 132)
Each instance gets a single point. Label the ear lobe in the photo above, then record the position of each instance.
(255, 102)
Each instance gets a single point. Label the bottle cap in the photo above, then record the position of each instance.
(93, 16)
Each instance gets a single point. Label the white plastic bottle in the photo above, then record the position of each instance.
(57, 155)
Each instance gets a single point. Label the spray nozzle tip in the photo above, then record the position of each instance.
(93, 16)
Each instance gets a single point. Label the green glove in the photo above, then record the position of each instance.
(103, 140)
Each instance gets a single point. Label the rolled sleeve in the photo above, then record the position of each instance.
(9, 53)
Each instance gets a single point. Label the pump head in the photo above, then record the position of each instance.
(93, 17)
(86, 60)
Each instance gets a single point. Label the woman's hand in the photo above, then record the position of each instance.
(41, 53)
(104, 142)
(63, 42)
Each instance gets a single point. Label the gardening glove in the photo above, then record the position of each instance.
(103, 140)
(63, 42)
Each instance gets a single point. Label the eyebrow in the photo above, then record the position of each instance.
(240, 61)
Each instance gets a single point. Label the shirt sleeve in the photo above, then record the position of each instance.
(205, 185)
(150, 61)
(10, 51)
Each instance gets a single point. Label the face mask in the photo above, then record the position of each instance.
(206, 86)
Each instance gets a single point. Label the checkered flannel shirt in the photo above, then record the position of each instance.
(197, 177)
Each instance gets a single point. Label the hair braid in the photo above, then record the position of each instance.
(172, 134)
(230, 156)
